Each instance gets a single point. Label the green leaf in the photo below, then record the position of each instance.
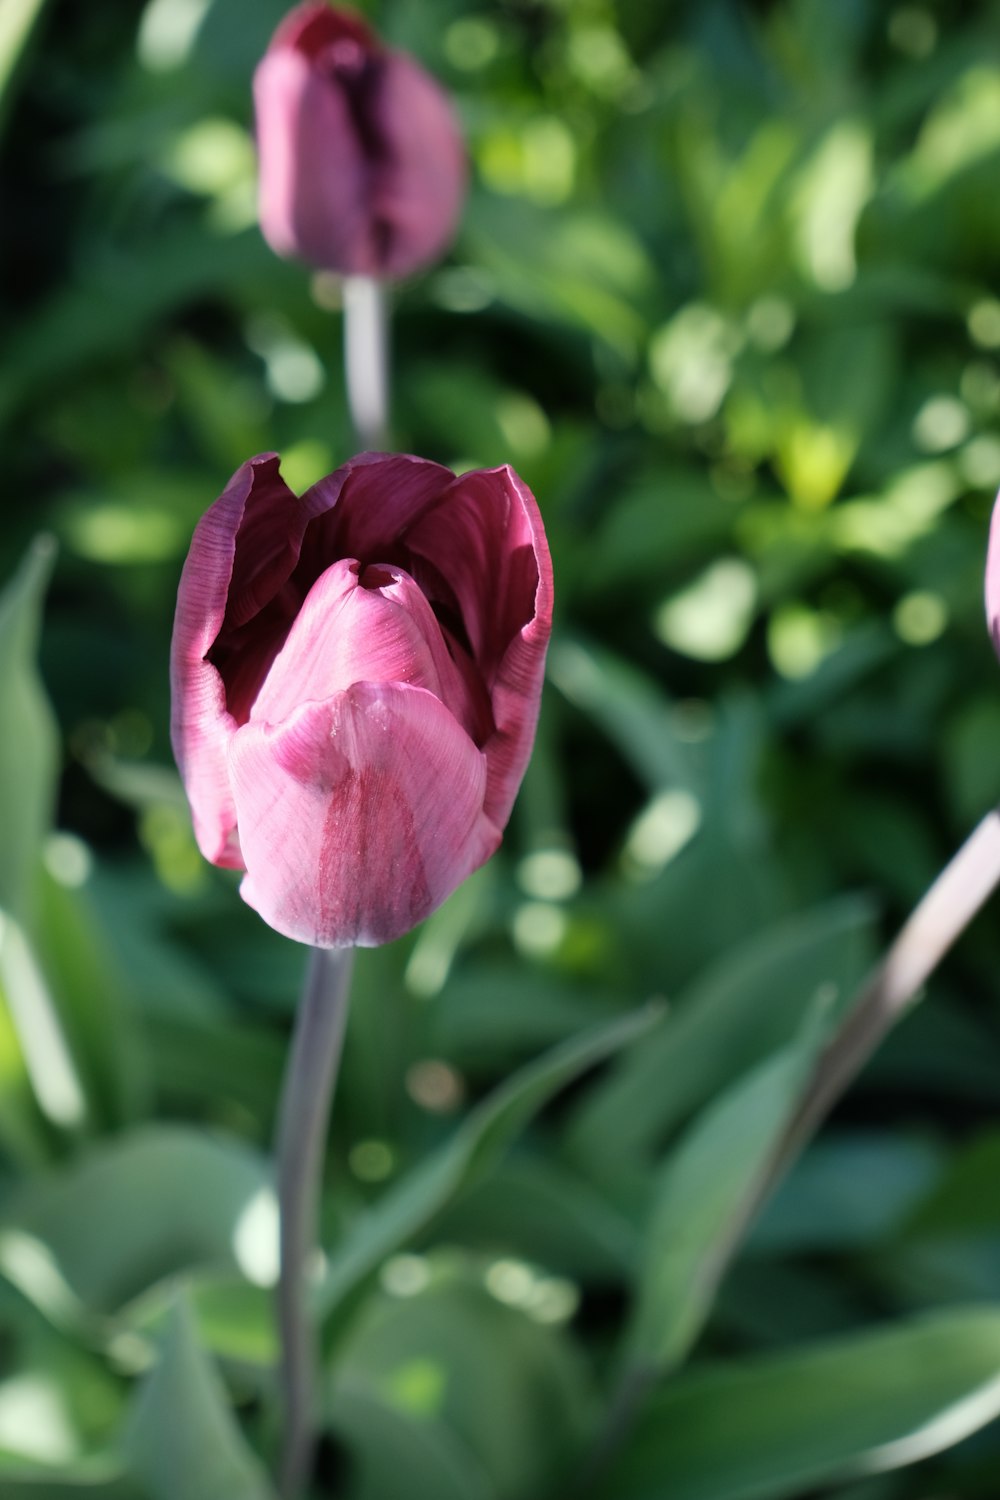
(748, 1004)
(491, 1014)
(85, 1480)
(964, 1201)
(760, 1429)
(139, 1209)
(17, 21)
(518, 1412)
(32, 1009)
(536, 1209)
(28, 745)
(851, 1189)
(235, 1319)
(92, 1001)
(631, 709)
(386, 1442)
(577, 269)
(181, 1437)
(703, 1192)
(470, 1153)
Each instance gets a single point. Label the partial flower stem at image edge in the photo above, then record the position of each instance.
(307, 1096)
(934, 926)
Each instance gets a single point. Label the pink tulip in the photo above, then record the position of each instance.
(356, 676)
(362, 167)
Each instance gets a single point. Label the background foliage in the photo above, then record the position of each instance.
(725, 294)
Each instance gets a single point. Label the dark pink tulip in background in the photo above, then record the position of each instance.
(356, 676)
(993, 578)
(362, 167)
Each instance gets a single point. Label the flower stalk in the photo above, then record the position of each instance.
(366, 360)
(935, 925)
(302, 1126)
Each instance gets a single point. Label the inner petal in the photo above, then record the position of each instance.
(363, 624)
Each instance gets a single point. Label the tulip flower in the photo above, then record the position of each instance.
(362, 167)
(356, 676)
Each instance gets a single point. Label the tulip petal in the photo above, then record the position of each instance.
(482, 535)
(485, 536)
(366, 625)
(314, 181)
(419, 180)
(256, 498)
(993, 578)
(367, 508)
(359, 815)
(315, 26)
(516, 690)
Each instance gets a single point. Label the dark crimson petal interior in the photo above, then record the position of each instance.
(369, 513)
(478, 538)
(312, 28)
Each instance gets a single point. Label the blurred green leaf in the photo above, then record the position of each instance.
(139, 1209)
(181, 1437)
(93, 1001)
(963, 1201)
(99, 1480)
(702, 1193)
(547, 1214)
(488, 1014)
(386, 1442)
(747, 1005)
(17, 21)
(851, 1189)
(586, 270)
(766, 1428)
(403, 1211)
(518, 1415)
(29, 744)
(234, 1318)
(110, 315)
(632, 711)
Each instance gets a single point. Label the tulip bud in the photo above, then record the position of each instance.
(356, 676)
(362, 167)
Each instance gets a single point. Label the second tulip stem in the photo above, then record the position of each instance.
(305, 1112)
(366, 359)
(937, 922)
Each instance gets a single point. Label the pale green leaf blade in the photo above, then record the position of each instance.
(745, 1006)
(28, 745)
(475, 1146)
(704, 1192)
(766, 1428)
(182, 1438)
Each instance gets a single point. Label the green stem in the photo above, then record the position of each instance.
(302, 1125)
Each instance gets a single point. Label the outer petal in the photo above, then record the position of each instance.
(201, 724)
(993, 578)
(516, 691)
(484, 535)
(359, 815)
(419, 186)
(314, 179)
